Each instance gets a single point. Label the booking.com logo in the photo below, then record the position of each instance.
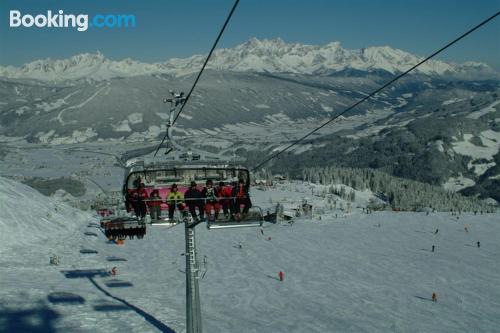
(61, 20)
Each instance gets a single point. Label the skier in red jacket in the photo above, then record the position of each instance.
(242, 197)
(225, 194)
(138, 197)
(154, 204)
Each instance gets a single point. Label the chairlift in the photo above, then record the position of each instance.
(161, 175)
(180, 166)
(123, 227)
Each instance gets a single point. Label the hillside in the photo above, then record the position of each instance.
(355, 272)
(28, 217)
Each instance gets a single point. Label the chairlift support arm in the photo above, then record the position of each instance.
(175, 101)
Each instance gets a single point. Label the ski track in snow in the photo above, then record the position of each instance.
(59, 116)
(341, 275)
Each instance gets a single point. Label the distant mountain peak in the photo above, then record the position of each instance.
(258, 55)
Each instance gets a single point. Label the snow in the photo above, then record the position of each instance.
(162, 115)
(456, 184)
(369, 131)
(51, 106)
(210, 132)
(453, 101)
(26, 216)
(482, 112)
(135, 118)
(122, 126)
(402, 102)
(254, 55)
(82, 136)
(45, 137)
(372, 279)
(341, 274)
(185, 116)
(439, 145)
(326, 108)
(77, 136)
(299, 149)
(153, 131)
(490, 140)
(480, 168)
(22, 109)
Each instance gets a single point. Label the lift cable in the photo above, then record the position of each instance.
(375, 91)
(201, 71)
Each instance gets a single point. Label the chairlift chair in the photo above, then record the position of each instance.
(158, 174)
(123, 227)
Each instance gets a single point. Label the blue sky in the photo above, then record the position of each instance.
(167, 29)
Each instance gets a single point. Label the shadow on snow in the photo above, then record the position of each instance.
(90, 274)
(39, 319)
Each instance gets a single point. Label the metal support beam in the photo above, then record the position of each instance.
(193, 306)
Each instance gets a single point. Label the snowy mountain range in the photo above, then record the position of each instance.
(272, 56)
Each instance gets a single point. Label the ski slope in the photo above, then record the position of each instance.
(26, 216)
(358, 273)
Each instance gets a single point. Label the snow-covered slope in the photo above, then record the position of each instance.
(355, 273)
(273, 56)
(26, 216)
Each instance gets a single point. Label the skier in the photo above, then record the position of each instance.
(138, 197)
(435, 232)
(137, 182)
(194, 200)
(225, 193)
(154, 204)
(211, 195)
(174, 199)
(242, 197)
(434, 297)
